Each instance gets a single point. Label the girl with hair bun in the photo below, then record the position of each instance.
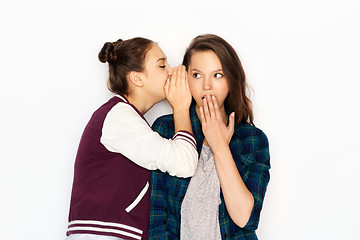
(224, 198)
(110, 195)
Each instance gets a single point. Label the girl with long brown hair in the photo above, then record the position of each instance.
(224, 198)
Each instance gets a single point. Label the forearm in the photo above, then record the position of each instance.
(182, 120)
(238, 199)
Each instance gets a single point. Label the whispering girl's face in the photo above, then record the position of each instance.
(206, 76)
(157, 71)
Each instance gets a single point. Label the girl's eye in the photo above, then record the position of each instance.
(218, 75)
(162, 66)
(196, 75)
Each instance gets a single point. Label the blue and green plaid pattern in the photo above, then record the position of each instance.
(250, 149)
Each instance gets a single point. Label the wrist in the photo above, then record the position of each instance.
(220, 148)
(181, 110)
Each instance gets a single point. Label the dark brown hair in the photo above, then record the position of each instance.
(237, 100)
(124, 57)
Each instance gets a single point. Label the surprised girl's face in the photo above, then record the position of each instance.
(206, 76)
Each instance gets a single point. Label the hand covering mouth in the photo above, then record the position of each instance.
(205, 96)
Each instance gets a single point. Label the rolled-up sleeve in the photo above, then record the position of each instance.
(258, 178)
(125, 132)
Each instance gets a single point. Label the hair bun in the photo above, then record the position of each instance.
(107, 53)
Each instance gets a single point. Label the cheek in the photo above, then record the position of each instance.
(226, 91)
(194, 88)
(222, 91)
(224, 88)
(161, 77)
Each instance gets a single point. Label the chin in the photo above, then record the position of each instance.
(199, 103)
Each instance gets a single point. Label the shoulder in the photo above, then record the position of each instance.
(124, 113)
(164, 125)
(248, 133)
(249, 144)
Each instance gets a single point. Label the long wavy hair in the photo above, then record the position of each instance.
(237, 100)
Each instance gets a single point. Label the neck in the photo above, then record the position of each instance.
(143, 105)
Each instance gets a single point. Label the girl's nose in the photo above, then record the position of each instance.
(207, 84)
(169, 70)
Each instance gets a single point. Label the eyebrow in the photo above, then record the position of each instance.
(197, 70)
(161, 59)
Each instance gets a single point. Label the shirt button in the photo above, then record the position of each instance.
(225, 235)
(222, 215)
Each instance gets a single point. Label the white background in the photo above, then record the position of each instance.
(302, 58)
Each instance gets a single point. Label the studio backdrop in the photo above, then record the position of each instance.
(302, 62)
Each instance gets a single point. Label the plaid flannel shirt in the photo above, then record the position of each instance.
(250, 150)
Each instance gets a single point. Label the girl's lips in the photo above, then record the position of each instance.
(205, 96)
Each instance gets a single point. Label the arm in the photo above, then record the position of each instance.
(258, 178)
(125, 132)
(255, 184)
(238, 197)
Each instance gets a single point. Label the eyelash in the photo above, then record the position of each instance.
(162, 66)
(194, 75)
(215, 75)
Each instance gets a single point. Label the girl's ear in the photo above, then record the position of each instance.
(135, 79)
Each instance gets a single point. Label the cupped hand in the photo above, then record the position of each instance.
(177, 90)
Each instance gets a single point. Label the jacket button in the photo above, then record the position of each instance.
(222, 216)
(225, 235)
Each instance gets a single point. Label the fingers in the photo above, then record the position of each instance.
(178, 76)
(231, 122)
(183, 76)
(186, 81)
(230, 127)
(202, 117)
(173, 78)
(210, 100)
(206, 108)
(211, 106)
(166, 86)
(216, 108)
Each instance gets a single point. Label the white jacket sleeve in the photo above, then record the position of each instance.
(126, 132)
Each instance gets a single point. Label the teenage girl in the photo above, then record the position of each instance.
(224, 198)
(110, 196)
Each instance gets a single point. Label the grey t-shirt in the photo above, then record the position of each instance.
(200, 207)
